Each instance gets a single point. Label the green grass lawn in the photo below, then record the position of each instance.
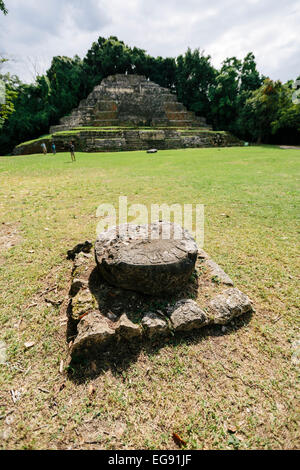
(217, 390)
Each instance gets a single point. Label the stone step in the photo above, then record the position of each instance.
(58, 128)
(183, 123)
(169, 98)
(101, 135)
(105, 115)
(174, 107)
(104, 123)
(118, 99)
(108, 141)
(197, 124)
(179, 116)
(107, 105)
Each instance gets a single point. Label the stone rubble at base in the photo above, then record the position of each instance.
(96, 330)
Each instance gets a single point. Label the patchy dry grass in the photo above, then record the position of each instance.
(217, 389)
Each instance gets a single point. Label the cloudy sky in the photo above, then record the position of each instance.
(34, 31)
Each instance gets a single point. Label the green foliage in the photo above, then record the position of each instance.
(7, 108)
(194, 77)
(64, 85)
(110, 56)
(3, 8)
(106, 57)
(201, 386)
(234, 84)
(40, 105)
(233, 98)
(287, 120)
(12, 84)
(269, 114)
(224, 95)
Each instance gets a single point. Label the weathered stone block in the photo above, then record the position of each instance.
(82, 303)
(217, 273)
(93, 332)
(155, 325)
(186, 315)
(154, 135)
(128, 330)
(232, 303)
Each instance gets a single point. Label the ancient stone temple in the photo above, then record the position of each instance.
(129, 112)
(130, 100)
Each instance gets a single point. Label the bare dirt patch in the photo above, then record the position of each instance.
(9, 237)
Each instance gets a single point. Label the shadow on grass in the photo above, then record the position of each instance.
(112, 303)
(118, 354)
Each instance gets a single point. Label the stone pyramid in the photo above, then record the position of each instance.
(130, 100)
(129, 112)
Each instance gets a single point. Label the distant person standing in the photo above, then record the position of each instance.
(44, 148)
(72, 150)
(53, 148)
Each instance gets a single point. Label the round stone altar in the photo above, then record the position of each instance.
(151, 259)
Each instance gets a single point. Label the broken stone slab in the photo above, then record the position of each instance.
(128, 330)
(228, 305)
(152, 259)
(186, 315)
(216, 271)
(82, 303)
(154, 325)
(93, 332)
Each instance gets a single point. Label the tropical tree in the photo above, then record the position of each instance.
(105, 57)
(233, 98)
(65, 87)
(10, 87)
(3, 8)
(261, 110)
(224, 95)
(250, 78)
(286, 126)
(194, 78)
(233, 86)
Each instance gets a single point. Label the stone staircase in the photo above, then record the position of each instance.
(129, 112)
(129, 100)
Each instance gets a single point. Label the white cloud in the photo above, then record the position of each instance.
(223, 28)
